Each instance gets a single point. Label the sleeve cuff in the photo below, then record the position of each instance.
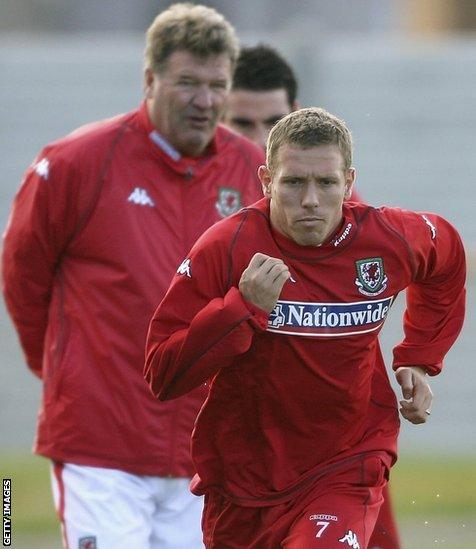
(430, 369)
(259, 318)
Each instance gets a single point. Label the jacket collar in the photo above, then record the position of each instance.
(341, 238)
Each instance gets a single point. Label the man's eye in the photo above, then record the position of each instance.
(186, 82)
(270, 122)
(219, 85)
(242, 123)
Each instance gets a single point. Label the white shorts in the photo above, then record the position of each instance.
(109, 509)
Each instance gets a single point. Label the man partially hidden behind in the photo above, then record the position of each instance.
(280, 308)
(265, 90)
(102, 220)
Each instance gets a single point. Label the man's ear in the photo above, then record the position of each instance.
(148, 83)
(349, 182)
(265, 177)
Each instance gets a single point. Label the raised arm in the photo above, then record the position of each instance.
(195, 332)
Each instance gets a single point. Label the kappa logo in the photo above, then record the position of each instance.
(185, 268)
(42, 168)
(371, 279)
(88, 542)
(344, 235)
(322, 516)
(140, 196)
(351, 539)
(228, 201)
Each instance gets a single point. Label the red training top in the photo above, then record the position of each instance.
(98, 227)
(303, 388)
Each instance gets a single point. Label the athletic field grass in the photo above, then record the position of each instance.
(435, 500)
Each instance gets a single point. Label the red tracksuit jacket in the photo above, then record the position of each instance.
(305, 387)
(98, 227)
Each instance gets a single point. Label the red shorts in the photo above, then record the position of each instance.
(339, 511)
(385, 534)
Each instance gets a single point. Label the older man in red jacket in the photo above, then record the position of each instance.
(101, 221)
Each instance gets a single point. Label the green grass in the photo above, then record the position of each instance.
(32, 503)
(434, 486)
(426, 488)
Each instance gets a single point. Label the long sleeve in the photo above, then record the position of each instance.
(42, 221)
(436, 298)
(200, 327)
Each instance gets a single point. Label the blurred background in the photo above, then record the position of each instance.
(402, 73)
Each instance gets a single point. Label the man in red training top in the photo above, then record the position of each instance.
(264, 90)
(280, 306)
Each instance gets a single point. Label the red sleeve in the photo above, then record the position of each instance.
(200, 326)
(436, 298)
(41, 222)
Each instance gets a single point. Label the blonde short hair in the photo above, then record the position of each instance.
(308, 128)
(194, 28)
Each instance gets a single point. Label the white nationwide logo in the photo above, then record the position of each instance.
(184, 268)
(140, 196)
(351, 540)
(42, 168)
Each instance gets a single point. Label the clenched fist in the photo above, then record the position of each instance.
(417, 395)
(262, 281)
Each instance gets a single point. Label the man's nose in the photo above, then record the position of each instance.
(203, 98)
(310, 196)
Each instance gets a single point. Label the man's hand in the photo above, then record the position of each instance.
(418, 397)
(262, 281)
